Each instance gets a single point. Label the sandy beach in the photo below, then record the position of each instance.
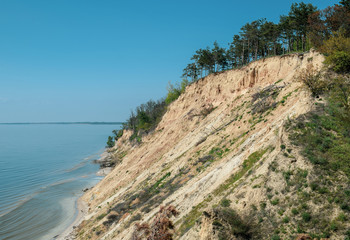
(81, 206)
(68, 234)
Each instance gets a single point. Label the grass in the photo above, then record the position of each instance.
(246, 166)
(324, 138)
(189, 220)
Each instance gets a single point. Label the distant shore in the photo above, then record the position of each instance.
(62, 123)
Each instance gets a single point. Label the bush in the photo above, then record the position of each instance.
(295, 211)
(339, 61)
(313, 80)
(306, 216)
(275, 201)
(110, 142)
(337, 50)
(233, 225)
(225, 202)
(175, 91)
(160, 228)
(118, 134)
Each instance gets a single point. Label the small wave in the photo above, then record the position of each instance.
(85, 161)
(28, 197)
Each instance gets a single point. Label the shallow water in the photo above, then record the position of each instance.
(43, 170)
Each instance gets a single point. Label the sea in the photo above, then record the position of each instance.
(44, 169)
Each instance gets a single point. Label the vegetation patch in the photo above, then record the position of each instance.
(190, 219)
(246, 166)
(265, 99)
(229, 224)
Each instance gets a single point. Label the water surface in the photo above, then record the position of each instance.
(43, 170)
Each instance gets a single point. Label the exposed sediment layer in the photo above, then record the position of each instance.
(214, 117)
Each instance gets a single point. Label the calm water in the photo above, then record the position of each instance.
(43, 169)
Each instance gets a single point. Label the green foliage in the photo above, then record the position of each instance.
(225, 202)
(232, 224)
(275, 201)
(118, 134)
(340, 61)
(257, 39)
(295, 211)
(325, 137)
(99, 217)
(286, 219)
(247, 165)
(216, 152)
(175, 91)
(306, 216)
(275, 237)
(145, 118)
(337, 50)
(190, 219)
(110, 142)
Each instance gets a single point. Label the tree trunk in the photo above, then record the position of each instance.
(243, 54)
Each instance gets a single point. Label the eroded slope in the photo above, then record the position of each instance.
(220, 141)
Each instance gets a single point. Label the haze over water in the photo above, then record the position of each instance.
(43, 170)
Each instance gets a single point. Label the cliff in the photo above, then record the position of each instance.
(221, 149)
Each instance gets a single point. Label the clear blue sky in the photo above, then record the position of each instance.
(89, 60)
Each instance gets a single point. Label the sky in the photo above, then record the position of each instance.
(89, 60)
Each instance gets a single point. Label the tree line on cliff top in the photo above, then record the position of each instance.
(303, 28)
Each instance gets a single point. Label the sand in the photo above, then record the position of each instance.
(69, 233)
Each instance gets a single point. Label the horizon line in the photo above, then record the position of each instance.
(86, 122)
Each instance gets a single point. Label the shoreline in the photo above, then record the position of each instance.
(69, 232)
(81, 206)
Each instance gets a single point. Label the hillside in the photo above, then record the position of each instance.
(220, 152)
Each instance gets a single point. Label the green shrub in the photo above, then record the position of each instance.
(225, 202)
(306, 216)
(99, 217)
(337, 50)
(235, 225)
(339, 61)
(275, 201)
(175, 91)
(110, 142)
(275, 237)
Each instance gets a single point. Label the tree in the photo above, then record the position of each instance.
(110, 142)
(299, 15)
(346, 4)
(191, 71)
(337, 50)
(286, 31)
(270, 34)
(236, 51)
(220, 61)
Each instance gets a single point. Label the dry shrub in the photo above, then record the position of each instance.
(162, 228)
(313, 80)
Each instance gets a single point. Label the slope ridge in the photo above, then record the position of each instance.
(202, 140)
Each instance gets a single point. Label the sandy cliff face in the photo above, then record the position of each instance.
(219, 123)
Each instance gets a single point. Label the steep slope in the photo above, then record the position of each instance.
(221, 149)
